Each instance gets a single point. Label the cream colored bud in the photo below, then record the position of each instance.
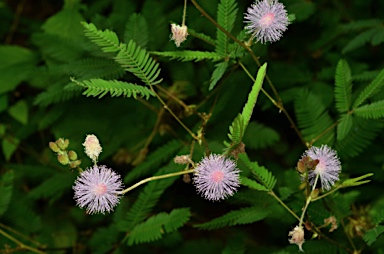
(297, 237)
(92, 147)
(179, 33)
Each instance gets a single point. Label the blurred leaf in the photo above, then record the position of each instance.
(16, 65)
(6, 187)
(19, 111)
(9, 145)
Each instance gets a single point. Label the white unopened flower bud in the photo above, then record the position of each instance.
(179, 33)
(92, 147)
(297, 237)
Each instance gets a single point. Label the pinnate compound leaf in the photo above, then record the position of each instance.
(373, 88)
(218, 73)
(156, 226)
(343, 86)
(344, 126)
(100, 87)
(238, 217)
(371, 235)
(189, 55)
(374, 110)
(263, 175)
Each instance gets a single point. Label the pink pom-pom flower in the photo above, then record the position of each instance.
(216, 177)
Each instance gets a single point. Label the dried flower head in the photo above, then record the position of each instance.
(92, 147)
(297, 237)
(266, 20)
(182, 159)
(328, 167)
(216, 177)
(179, 33)
(97, 189)
(331, 221)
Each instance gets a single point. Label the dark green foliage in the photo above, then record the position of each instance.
(188, 55)
(226, 15)
(147, 199)
(313, 118)
(264, 176)
(6, 186)
(100, 87)
(323, 85)
(239, 217)
(155, 226)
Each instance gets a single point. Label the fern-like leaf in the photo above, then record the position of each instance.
(344, 126)
(137, 30)
(189, 55)
(263, 175)
(374, 110)
(252, 97)
(252, 184)
(370, 90)
(359, 137)
(138, 62)
(371, 235)
(218, 73)
(56, 93)
(236, 130)
(361, 39)
(243, 216)
(130, 56)
(313, 118)
(148, 198)
(100, 87)
(226, 16)
(154, 228)
(343, 86)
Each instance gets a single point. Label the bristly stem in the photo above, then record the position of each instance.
(173, 114)
(153, 178)
(184, 13)
(20, 244)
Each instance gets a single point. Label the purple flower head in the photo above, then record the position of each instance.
(328, 167)
(267, 20)
(216, 177)
(97, 189)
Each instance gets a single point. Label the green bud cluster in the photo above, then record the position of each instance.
(65, 157)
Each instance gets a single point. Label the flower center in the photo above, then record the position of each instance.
(267, 19)
(217, 176)
(100, 189)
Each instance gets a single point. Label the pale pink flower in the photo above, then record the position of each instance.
(92, 147)
(297, 237)
(266, 20)
(216, 177)
(328, 167)
(179, 33)
(97, 189)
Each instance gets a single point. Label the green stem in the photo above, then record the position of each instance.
(21, 245)
(309, 198)
(153, 178)
(328, 193)
(283, 204)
